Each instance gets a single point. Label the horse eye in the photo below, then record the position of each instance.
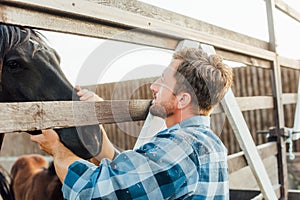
(13, 67)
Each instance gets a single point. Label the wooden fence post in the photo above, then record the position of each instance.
(296, 127)
(278, 105)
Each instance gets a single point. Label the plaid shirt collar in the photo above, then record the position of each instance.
(195, 121)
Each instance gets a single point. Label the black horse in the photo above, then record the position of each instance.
(30, 71)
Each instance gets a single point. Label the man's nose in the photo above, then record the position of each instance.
(155, 86)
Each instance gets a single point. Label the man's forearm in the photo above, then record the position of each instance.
(63, 158)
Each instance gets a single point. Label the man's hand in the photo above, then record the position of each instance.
(48, 141)
(87, 95)
(62, 156)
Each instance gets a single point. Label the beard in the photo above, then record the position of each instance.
(163, 109)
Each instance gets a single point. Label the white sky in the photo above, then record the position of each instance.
(88, 61)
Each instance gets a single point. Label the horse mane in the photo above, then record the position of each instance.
(5, 187)
(12, 36)
(15, 35)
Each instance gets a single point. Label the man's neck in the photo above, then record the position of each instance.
(177, 118)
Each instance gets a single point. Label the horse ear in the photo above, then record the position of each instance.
(56, 55)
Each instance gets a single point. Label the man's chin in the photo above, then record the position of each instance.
(157, 111)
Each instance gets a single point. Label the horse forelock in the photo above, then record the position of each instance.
(11, 36)
(14, 36)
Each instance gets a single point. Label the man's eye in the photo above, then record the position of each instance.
(13, 67)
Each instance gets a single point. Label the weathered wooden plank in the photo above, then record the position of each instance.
(289, 98)
(250, 103)
(237, 161)
(244, 59)
(252, 61)
(25, 116)
(80, 26)
(254, 102)
(296, 126)
(289, 63)
(46, 21)
(237, 178)
(278, 105)
(83, 10)
(164, 15)
(43, 115)
(290, 11)
(270, 5)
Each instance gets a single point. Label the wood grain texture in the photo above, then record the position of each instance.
(42, 115)
(113, 17)
(135, 22)
(237, 161)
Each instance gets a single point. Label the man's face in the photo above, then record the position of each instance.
(165, 102)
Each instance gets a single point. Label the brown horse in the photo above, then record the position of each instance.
(30, 71)
(33, 178)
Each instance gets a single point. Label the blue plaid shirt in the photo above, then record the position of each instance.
(185, 161)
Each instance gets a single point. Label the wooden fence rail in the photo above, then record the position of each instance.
(27, 116)
(106, 21)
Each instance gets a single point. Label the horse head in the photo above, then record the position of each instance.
(30, 71)
(33, 177)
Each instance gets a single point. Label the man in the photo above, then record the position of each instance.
(185, 161)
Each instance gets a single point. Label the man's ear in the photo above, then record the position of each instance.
(184, 99)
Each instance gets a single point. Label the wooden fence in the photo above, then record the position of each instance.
(268, 103)
(248, 81)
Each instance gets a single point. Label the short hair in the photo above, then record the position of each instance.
(205, 77)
